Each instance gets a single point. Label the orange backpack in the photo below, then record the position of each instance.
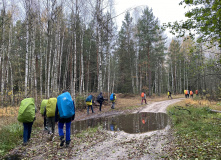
(191, 92)
(142, 94)
(186, 92)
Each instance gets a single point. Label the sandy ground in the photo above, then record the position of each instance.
(121, 145)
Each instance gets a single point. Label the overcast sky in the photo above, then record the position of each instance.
(165, 10)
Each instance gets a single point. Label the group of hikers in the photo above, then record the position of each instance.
(60, 111)
(188, 93)
(100, 99)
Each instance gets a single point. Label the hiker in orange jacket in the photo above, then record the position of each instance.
(196, 92)
(143, 95)
(191, 94)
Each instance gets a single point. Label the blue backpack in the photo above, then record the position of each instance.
(89, 98)
(112, 97)
(66, 106)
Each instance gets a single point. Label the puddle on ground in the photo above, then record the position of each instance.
(13, 157)
(129, 123)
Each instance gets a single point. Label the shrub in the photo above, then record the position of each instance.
(80, 103)
(9, 136)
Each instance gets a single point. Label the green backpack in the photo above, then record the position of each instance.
(26, 112)
(51, 107)
(43, 104)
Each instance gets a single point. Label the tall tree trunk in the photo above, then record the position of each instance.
(82, 65)
(149, 70)
(136, 65)
(27, 47)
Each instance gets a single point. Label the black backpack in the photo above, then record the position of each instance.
(99, 98)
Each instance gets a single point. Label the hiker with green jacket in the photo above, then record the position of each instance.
(26, 115)
(42, 111)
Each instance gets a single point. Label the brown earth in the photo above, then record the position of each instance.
(104, 144)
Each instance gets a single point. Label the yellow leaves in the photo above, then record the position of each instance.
(9, 111)
(10, 93)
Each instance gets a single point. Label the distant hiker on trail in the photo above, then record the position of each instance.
(26, 115)
(186, 93)
(64, 114)
(169, 94)
(143, 96)
(196, 92)
(100, 99)
(113, 98)
(89, 101)
(191, 94)
(50, 116)
(42, 109)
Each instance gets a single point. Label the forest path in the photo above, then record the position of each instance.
(161, 106)
(121, 145)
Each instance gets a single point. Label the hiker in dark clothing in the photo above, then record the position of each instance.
(100, 99)
(169, 95)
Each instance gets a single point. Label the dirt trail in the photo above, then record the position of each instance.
(121, 145)
(160, 106)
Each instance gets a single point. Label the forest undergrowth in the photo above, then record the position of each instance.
(196, 129)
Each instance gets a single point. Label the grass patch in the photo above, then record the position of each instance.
(197, 131)
(11, 132)
(9, 137)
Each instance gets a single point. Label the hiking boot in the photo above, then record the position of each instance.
(67, 144)
(62, 142)
(51, 136)
(25, 143)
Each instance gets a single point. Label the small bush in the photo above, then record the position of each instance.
(80, 103)
(9, 136)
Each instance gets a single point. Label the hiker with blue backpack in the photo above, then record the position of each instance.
(89, 101)
(26, 115)
(113, 98)
(64, 114)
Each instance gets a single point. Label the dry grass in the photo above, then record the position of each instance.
(200, 103)
(8, 115)
(9, 111)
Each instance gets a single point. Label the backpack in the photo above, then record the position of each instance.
(66, 106)
(142, 94)
(168, 93)
(26, 112)
(99, 98)
(186, 92)
(89, 100)
(51, 107)
(112, 96)
(43, 104)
